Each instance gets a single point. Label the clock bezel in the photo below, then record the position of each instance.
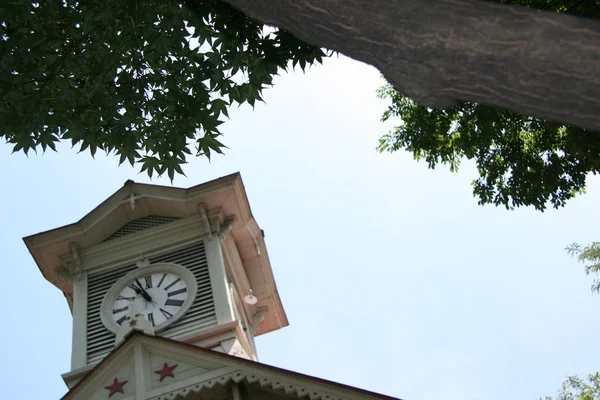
(171, 268)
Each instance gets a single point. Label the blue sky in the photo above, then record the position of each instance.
(393, 278)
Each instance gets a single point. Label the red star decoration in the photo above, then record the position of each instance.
(133, 322)
(116, 387)
(166, 371)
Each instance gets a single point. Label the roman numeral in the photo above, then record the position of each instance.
(125, 298)
(134, 288)
(172, 283)
(120, 320)
(118, 310)
(166, 313)
(161, 280)
(176, 303)
(151, 318)
(148, 281)
(176, 292)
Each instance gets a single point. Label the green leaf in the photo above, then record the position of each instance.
(129, 83)
(522, 161)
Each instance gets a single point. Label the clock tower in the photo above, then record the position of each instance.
(188, 265)
(168, 288)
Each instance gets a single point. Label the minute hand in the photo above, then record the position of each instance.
(144, 294)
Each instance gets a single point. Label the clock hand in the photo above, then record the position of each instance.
(144, 294)
(137, 290)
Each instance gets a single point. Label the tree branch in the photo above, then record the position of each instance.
(440, 51)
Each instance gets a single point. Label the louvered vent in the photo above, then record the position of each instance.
(101, 341)
(140, 224)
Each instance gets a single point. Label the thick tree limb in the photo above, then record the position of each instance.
(441, 51)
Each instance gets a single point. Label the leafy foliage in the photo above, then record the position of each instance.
(522, 161)
(575, 388)
(143, 80)
(590, 256)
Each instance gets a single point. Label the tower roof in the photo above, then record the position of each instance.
(52, 250)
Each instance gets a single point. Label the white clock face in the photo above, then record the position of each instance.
(160, 293)
(157, 297)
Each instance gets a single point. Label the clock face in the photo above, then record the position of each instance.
(158, 297)
(160, 293)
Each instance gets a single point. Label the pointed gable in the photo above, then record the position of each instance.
(159, 368)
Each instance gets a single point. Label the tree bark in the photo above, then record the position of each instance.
(438, 52)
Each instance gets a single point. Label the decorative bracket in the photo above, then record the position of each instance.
(214, 223)
(204, 219)
(76, 261)
(72, 269)
(226, 226)
(258, 317)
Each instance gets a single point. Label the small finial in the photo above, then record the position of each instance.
(143, 262)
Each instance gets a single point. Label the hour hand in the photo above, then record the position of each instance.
(144, 294)
(137, 289)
